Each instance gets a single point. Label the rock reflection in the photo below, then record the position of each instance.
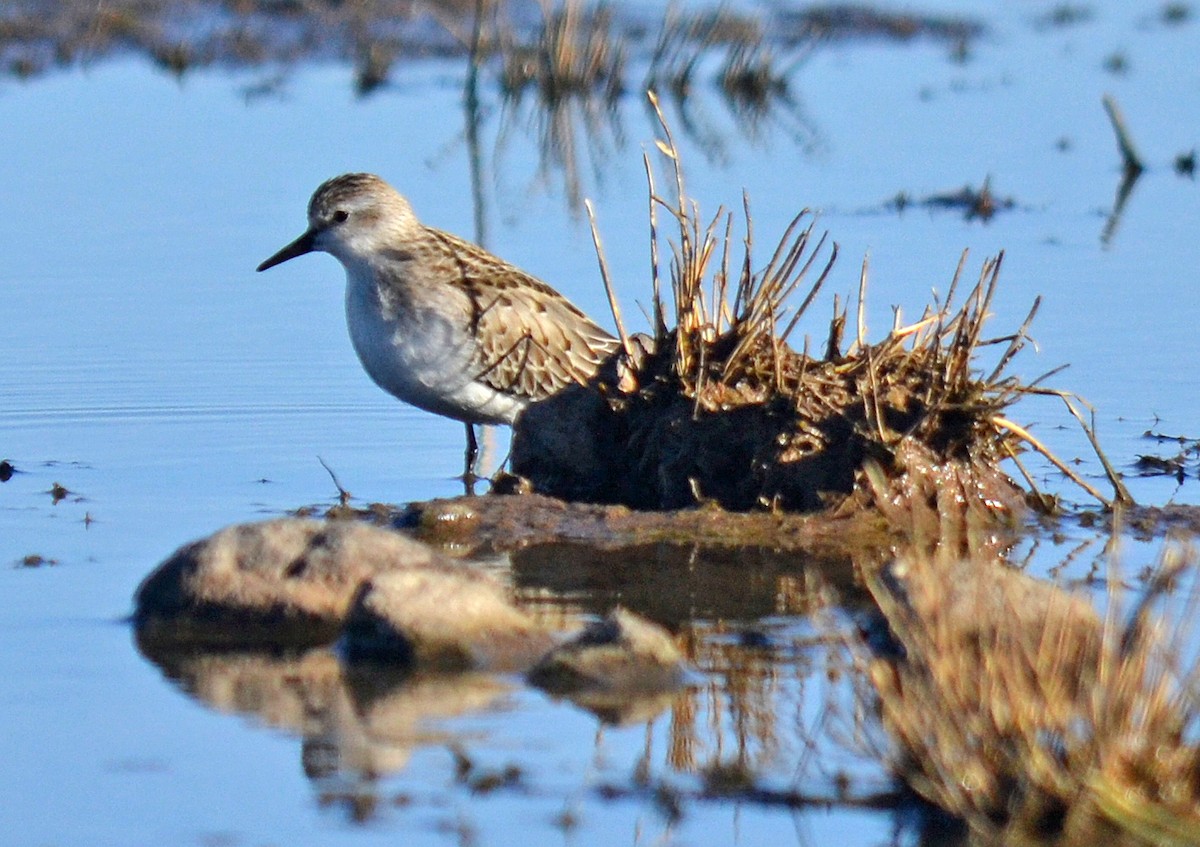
(771, 681)
(767, 690)
(356, 724)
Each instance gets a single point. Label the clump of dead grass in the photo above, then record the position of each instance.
(1018, 708)
(576, 52)
(715, 405)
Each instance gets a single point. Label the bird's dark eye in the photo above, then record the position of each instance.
(340, 216)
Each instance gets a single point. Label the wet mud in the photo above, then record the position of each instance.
(493, 523)
(606, 535)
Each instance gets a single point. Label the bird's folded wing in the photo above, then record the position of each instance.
(534, 346)
(530, 340)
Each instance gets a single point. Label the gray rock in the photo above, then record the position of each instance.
(623, 653)
(454, 619)
(279, 582)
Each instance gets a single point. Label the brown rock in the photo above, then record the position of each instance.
(279, 582)
(441, 618)
(622, 653)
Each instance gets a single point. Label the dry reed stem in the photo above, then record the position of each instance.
(758, 299)
(660, 324)
(1122, 493)
(613, 304)
(1130, 159)
(1029, 439)
(1044, 501)
(1012, 705)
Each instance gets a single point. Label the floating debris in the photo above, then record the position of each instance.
(1116, 63)
(1185, 163)
(1064, 15)
(975, 204)
(846, 20)
(1174, 14)
(480, 780)
(1177, 465)
(1130, 159)
(1162, 466)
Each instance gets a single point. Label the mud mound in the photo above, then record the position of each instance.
(720, 408)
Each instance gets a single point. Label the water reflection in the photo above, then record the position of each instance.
(561, 74)
(575, 137)
(770, 689)
(778, 717)
(565, 80)
(677, 585)
(355, 726)
(37, 36)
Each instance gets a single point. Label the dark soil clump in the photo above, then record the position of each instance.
(796, 441)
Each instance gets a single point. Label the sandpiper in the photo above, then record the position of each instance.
(439, 322)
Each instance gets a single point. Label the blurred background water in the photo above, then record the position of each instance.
(171, 390)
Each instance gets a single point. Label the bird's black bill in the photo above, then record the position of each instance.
(302, 245)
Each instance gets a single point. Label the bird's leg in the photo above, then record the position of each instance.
(472, 455)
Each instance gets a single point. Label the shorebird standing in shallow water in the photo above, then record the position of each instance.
(439, 322)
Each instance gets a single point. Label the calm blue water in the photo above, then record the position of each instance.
(172, 390)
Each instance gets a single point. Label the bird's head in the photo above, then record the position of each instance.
(352, 216)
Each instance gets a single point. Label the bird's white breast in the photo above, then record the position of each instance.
(420, 353)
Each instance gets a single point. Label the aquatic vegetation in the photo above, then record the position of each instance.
(574, 52)
(37, 35)
(716, 406)
(1064, 15)
(1018, 708)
